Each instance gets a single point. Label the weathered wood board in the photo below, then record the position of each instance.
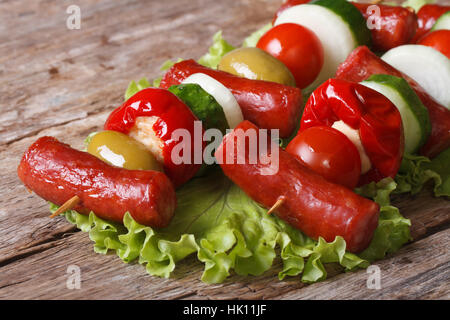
(61, 82)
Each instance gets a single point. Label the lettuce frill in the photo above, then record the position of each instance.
(229, 232)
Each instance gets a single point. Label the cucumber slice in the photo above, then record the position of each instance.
(427, 66)
(443, 23)
(223, 96)
(415, 118)
(339, 26)
(202, 104)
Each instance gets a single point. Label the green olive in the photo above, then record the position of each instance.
(122, 151)
(256, 64)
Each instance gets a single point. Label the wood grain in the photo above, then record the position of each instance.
(64, 83)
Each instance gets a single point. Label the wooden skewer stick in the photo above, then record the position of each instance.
(376, 1)
(68, 205)
(277, 204)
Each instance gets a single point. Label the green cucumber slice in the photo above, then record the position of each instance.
(415, 117)
(443, 23)
(339, 26)
(223, 96)
(427, 66)
(202, 104)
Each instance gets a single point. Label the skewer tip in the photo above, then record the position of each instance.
(68, 205)
(277, 204)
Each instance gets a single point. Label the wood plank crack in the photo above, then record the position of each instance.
(40, 245)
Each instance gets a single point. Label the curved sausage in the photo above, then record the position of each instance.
(56, 172)
(312, 204)
(397, 25)
(268, 104)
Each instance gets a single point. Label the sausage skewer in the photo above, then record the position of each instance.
(56, 172)
(310, 203)
(68, 205)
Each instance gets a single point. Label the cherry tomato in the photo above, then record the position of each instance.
(439, 40)
(328, 152)
(298, 48)
(288, 4)
(426, 18)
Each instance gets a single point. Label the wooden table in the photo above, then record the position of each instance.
(61, 82)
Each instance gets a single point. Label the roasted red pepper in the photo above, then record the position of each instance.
(167, 114)
(362, 63)
(427, 16)
(310, 203)
(397, 25)
(377, 119)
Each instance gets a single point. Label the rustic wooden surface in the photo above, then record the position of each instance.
(60, 82)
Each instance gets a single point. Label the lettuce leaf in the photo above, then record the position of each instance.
(393, 229)
(219, 48)
(229, 233)
(416, 171)
(253, 39)
(216, 51)
(135, 87)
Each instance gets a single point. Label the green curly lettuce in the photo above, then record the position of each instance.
(216, 51)
(219, 48)
(229, 232)
(253, 39)
(135, 87)
(416, 171)
(393, 229)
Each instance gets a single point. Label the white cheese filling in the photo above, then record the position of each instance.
(353, 136)
(143, 132)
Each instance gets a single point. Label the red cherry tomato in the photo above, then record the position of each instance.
(328, 152)
(426, 18)
(288, 4)
(439, 40)
(298, 48)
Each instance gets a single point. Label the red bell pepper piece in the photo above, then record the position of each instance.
(375, 116)
(171, 114)
(397, 25)
(362, 63)
(427, 16)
